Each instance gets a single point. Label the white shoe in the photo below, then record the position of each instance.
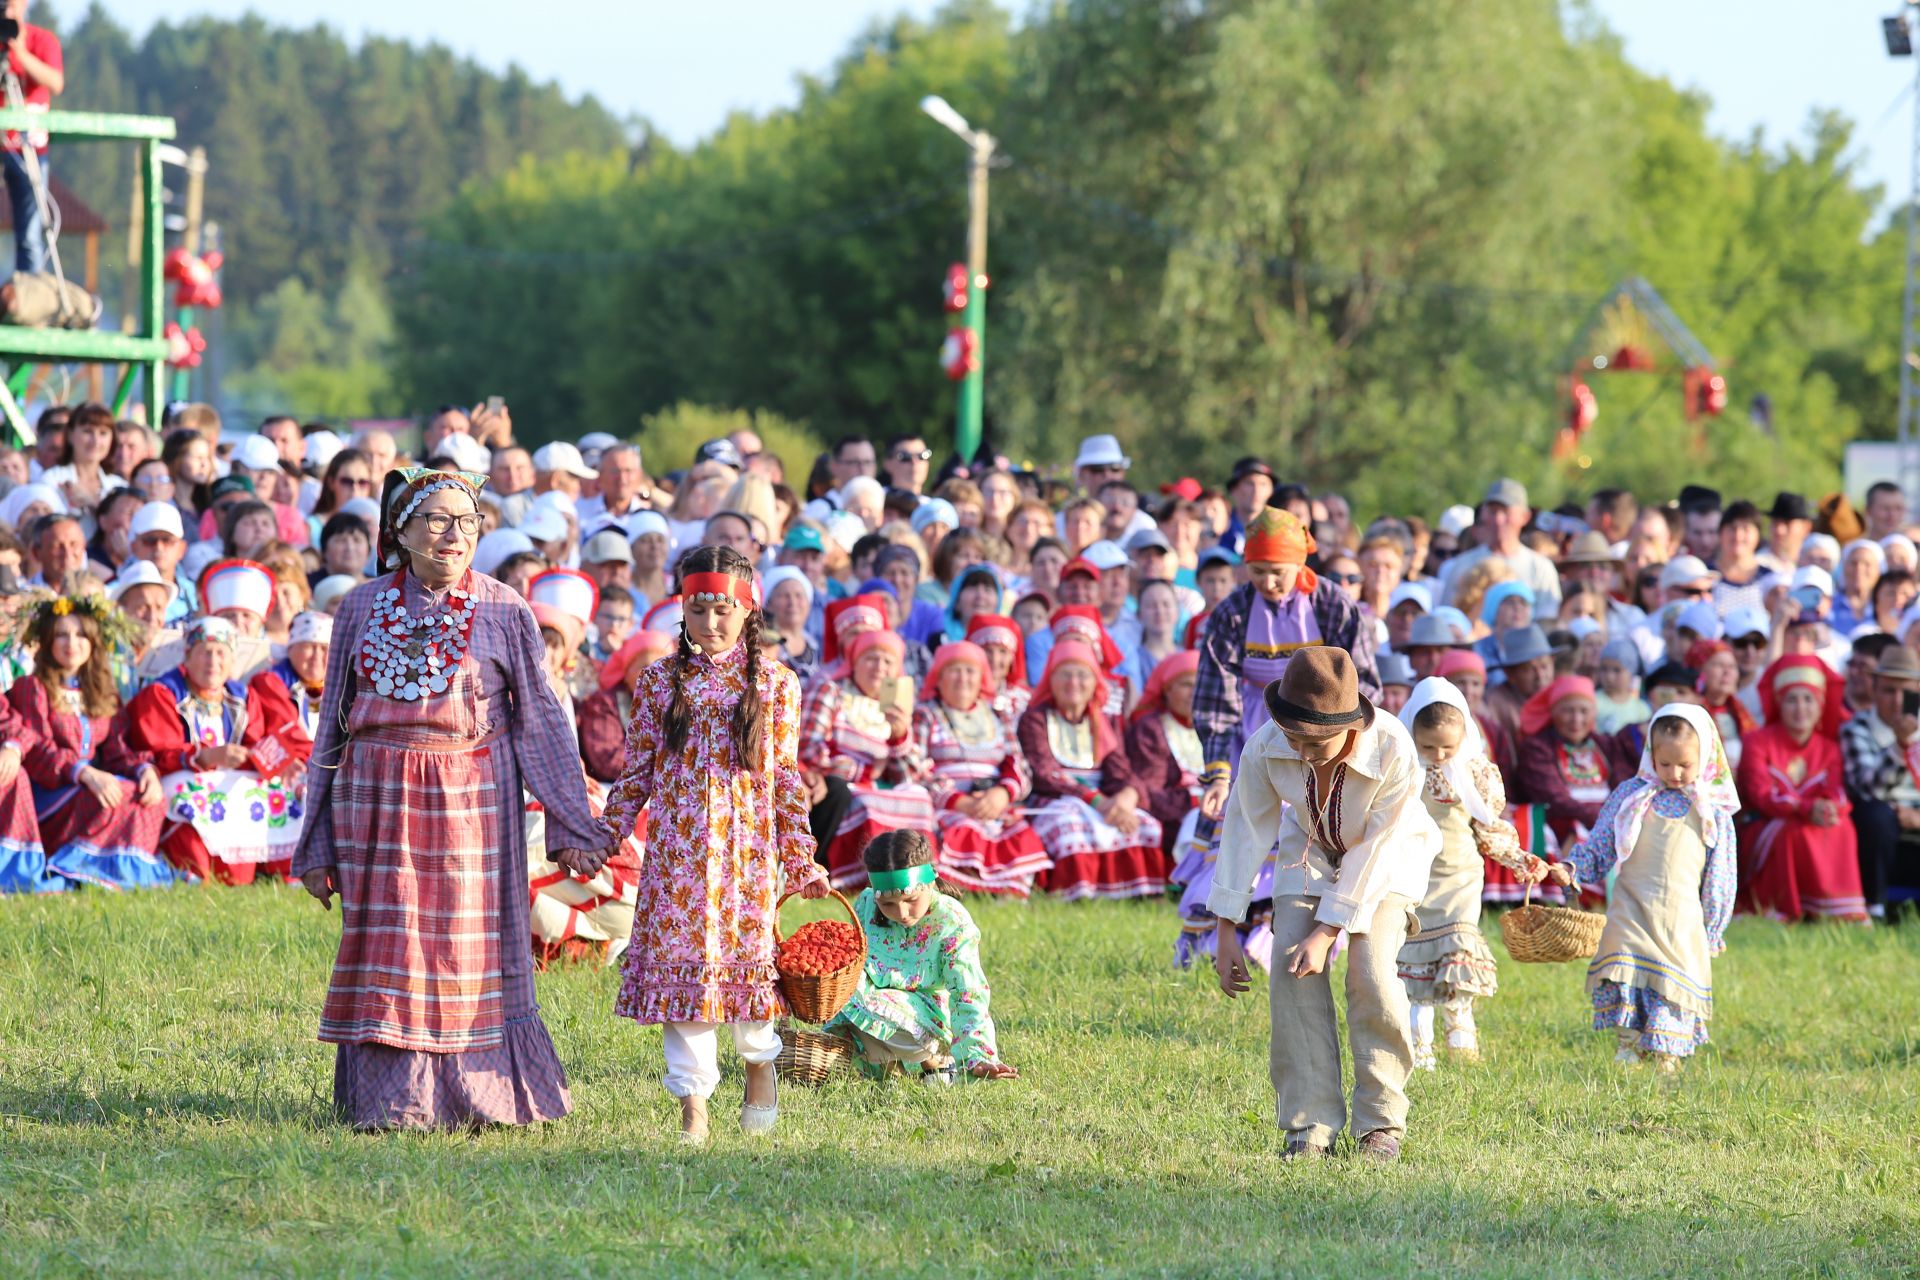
(761, 1119)
(1423, 1059)
(1464, 1044)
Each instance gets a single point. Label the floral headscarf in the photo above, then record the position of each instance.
(1712, 791)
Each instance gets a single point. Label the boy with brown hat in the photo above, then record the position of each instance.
(1340, 787)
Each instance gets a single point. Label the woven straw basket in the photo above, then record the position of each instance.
(1551, 935)
(816, 999)
(808, 1057)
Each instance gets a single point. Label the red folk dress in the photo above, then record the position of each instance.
(972, 749)
(723, 839)
(1790, 868)
(156, 727)
(415, 807)
(108, 847)
(846, 734)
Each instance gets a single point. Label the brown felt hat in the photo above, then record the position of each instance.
(1318, 695)
(1900, 663)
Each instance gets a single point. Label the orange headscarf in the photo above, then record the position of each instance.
(1276, 536)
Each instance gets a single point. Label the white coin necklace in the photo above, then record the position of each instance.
(413, 658)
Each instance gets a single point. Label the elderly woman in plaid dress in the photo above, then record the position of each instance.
(436, 713)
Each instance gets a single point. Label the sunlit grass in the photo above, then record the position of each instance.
(163, 1111)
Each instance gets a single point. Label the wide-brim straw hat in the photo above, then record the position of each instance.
(1318, 695)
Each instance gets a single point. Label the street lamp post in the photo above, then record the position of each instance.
(980, 144)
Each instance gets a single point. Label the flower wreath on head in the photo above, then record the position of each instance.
(117, 630)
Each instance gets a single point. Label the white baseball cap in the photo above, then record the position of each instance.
(1455, 520)
(562, 456)
(467, 452)
(495, 548)
(157, 517)
(140, 573)
(607, 546)
(257, 453)
(641, 523)
(328, 591)
(321, 447)
(1104, 555)
(1684, 570)
(1700, 618)
(1812, 575)
(1747, 621)
(544, 524)
(1414, 591)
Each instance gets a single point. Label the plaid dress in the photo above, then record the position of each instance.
(966, 750)
(415, 808)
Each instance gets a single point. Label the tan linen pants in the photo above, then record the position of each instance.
(1310, 1099)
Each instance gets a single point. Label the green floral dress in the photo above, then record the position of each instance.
(925, 981)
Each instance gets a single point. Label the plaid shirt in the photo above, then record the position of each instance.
(1876, 767)
(1216, 693)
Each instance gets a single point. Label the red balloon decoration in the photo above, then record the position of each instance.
(193, 277)
(1706, 393)
(1631, 359)
(184, 346)
(960, 353)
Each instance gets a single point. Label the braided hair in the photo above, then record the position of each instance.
(897, 851)
(748, 730)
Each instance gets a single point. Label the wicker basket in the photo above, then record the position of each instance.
(1551, 935)
(816, 999)
(808, 1057)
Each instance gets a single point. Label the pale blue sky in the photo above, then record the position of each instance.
(1765, 63)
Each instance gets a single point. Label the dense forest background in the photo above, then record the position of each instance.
(1363, 243)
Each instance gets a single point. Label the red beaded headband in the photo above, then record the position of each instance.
(717, 586)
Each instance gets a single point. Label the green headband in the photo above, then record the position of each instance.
(905, 878)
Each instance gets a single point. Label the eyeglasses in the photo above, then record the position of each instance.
(1750, 642)
(908, 455)
(1695, 593)
(440, 522)
(353, 482)
(1344, 579)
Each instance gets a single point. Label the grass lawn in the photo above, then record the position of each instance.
(163, 1111)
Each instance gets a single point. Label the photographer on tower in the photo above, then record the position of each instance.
(34, 65)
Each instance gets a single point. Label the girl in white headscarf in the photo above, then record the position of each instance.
(1447, 963)
(1666, 835)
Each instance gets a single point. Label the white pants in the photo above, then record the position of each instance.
(901, 1046)
(693, 1053)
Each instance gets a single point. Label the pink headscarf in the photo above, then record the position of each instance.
(1170, 668)
(957, 651)
(1454, 661)
(1537, 714)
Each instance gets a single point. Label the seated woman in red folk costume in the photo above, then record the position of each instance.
(1086, 805)
(98, 801)
(225, 820)
(604, 716)
(284, 702)
(976, 776)
(1565, 764)
(860, 729)
(1164, 749)
(1006, 649)
(1799, 853)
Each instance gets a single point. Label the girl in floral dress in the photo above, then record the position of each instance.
(923, 999)
(713, 749)
(1666, 836)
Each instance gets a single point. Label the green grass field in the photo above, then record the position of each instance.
(163, 1111)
